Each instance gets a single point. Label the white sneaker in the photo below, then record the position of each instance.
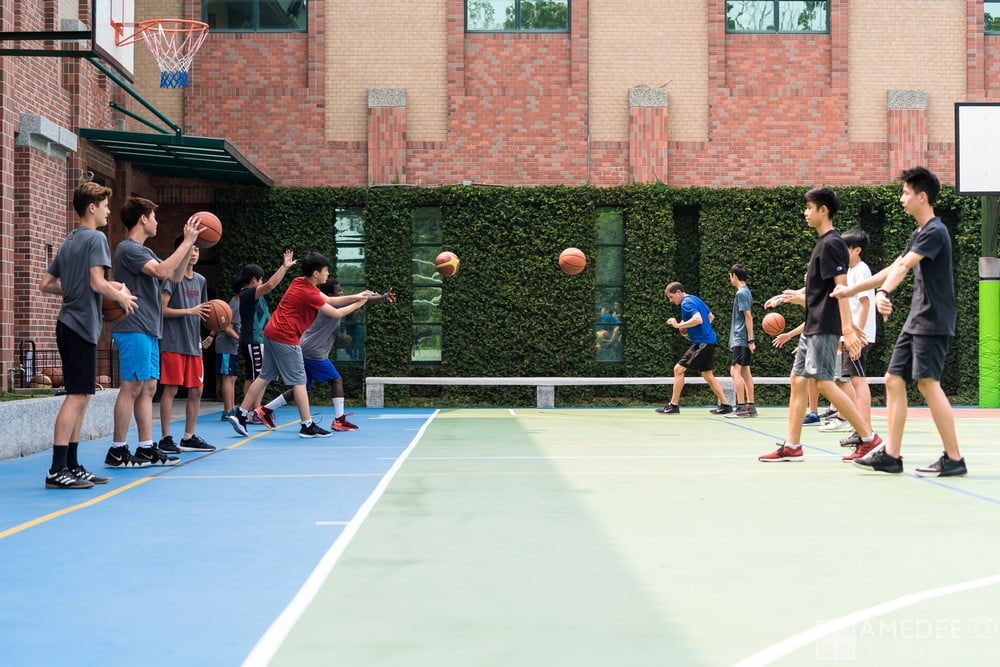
(833, 425)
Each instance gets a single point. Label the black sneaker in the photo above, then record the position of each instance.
(167, 446)
(853, 440)
(239, 422)
(87, 476)
(151, 456)
(831, 413)
(943, 467)
(314, 430)
(669, 409)
(64, 479)
(723, 409)
(879, 461)
(121, 457)
(195, 444)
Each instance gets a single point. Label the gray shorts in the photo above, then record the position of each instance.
(285, 360)
(816, 356)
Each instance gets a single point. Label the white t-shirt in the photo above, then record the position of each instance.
(856, 274)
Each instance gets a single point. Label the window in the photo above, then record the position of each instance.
(517, 15)
(991, 18)
(426, 346)
(609, 330)
(777, 16)
(350, 271)
(255, 15)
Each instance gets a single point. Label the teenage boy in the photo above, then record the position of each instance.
(185, 303)
(827, 319)
(282, 353)
(742, 344)
(77, 273)
(137, 336)
(922, 345)
(227, 347)
(696, 322)
(317, 343)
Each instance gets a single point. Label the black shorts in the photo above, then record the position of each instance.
(742, 356)
(918, 357)
(253, 359)
(699, 358)
(79, 361)
(853, 368)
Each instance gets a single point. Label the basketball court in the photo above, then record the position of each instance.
(509, 536)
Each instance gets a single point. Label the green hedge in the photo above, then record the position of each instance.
(511, 311)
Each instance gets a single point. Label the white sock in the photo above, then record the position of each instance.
(145, 444)
(278, 401)
(308, 423)
(338, 407)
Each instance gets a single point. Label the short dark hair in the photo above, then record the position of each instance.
(329, 287)
(251, 272)
(89, 193)
(823, 196)
(134, 208)
(674, 287)
(856, 238)
(921, 179)
(740, 272)
(236, 284)
(312, 263)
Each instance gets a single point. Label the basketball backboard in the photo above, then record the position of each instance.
(977, 145)
(106, 13)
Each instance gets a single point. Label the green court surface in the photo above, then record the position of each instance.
(624, 537)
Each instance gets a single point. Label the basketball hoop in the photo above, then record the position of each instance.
(173, 43)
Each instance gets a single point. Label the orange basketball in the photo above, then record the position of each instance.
(56, 375)
(219, 315)
(446, 263)
(773, 324)
(572, 261)
(111, 309)
(211, 231)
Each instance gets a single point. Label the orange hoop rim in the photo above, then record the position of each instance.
(140, 27)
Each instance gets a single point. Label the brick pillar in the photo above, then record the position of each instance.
(907, 130)
(647, 135)
(386, 136)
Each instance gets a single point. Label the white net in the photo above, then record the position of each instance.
(173, 43)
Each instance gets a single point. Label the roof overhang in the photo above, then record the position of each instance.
(181, 156)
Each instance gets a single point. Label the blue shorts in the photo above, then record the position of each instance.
(225, 363)
(320, 371)
(138, 356)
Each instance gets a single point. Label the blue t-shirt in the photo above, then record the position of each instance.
(703, 333)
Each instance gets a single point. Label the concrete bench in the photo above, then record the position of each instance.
(546, 386)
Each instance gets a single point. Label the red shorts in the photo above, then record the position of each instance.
(181, 370)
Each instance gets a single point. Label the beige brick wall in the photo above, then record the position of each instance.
(905, 44)
(386, 44)
(654, 43)
(170, 102)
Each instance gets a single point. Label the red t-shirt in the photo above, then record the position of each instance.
(295, 312)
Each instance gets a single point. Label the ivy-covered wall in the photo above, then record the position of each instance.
(511, 311)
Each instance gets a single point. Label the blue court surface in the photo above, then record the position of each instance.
(497, 537)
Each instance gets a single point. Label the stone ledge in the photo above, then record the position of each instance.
(27, 424)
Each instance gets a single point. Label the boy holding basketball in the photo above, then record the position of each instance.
(137, 336)
(77, 274)
(827, 319)
(922, 345)
(741, 343)
(696, 324)
(227, 347)
(184, 307)
(295, 313)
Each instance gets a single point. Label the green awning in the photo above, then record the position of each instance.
(183, 156)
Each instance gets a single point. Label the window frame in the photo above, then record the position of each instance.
(601, 250)
(777, 13)
(434, 282)
(995, 16)
(358, 317)
(517, 19)
(255, 20)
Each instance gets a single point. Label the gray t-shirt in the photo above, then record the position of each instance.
(130, 257)
(318, 339)
(223, 343)
(738, 329)
(81, 306)
(183, 334)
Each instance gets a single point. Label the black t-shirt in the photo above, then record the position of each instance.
(933, 309)
(829, 259)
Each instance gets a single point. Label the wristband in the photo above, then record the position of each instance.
(751, 341)
(886, 292)
(385, 297)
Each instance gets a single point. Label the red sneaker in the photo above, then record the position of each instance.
(782, 453)
(341, 424)
(863, 449)
(266, 416)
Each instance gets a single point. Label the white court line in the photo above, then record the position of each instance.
(512, 413)
(576, 458)
(402, 416)
(332, 523)
(302, 476)
(795, 642)
(269, 643)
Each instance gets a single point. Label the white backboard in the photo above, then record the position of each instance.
(120, 57)
(977, 148)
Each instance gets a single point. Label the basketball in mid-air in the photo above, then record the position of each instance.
(211, 231)
(219, 315)
(111, 309)
(572, 261)
(446, 263)
(773, 324)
